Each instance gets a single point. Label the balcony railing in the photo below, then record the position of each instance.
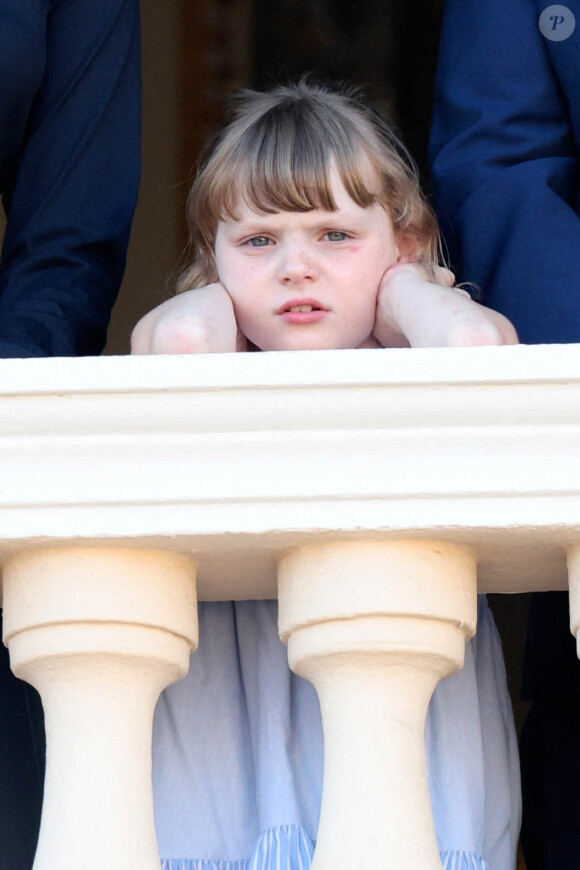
(373, 491)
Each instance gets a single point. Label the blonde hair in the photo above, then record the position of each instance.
(276, 154)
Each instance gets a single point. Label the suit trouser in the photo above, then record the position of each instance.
(550, 742)
(22, 752)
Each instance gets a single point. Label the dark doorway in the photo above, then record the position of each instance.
(388, 47)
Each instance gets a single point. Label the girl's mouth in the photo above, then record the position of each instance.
(302, 311)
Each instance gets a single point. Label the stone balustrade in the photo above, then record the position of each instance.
(372, 491)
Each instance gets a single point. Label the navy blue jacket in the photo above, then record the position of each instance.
(505, 164)
(505, 161)
(69, 169)
(69, 172)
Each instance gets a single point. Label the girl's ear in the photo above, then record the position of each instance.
(409, 248)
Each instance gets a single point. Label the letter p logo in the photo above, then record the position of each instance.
(557, 23)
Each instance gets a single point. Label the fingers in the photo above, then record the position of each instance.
(444, 276)
(437, 275)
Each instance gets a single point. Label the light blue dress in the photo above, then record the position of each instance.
(238, 753)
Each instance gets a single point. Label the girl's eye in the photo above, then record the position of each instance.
(336, 236)
(259, 241)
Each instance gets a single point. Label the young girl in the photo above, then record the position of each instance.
(306, 221)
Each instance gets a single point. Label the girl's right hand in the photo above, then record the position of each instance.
(197, 321)
(413, 311)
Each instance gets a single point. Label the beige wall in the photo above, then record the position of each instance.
(158, 227)
(195, 53)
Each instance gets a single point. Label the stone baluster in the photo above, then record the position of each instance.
(99, 633)
(374, 626)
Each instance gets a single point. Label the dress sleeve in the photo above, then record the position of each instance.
(505, 165)
(71, 194)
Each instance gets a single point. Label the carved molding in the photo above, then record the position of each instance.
(476, 446)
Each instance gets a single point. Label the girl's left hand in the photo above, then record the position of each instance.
(197, 321)
(412, 311)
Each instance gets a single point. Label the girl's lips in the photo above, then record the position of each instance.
(304, 316)
(302, 311)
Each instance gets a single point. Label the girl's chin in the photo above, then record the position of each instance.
(306, 346)
(303, 341)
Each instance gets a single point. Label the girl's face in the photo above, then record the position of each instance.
(306, 280)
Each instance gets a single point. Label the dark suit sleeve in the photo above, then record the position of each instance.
(505, 168)
(71, 194)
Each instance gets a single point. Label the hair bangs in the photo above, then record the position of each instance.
(285, 160)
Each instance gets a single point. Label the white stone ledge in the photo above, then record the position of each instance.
(236, 458)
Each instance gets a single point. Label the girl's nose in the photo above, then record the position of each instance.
(297, 264)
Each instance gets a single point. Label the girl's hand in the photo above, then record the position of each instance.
(414, 312)
(197, 321)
